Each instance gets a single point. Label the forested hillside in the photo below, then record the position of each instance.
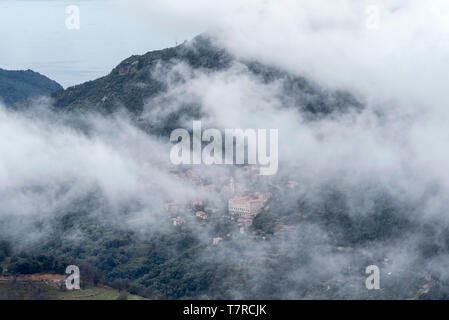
(19, 85)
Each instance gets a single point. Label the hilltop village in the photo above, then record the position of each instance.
(242, 197)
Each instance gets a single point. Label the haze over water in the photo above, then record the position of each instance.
(34, 36)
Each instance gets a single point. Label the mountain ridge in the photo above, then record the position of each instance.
(16, 85)
(120, 87)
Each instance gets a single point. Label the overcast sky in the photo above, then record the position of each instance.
(34, 36)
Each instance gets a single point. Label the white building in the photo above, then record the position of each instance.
(245, 206)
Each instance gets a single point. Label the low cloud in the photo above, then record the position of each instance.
(372, 183)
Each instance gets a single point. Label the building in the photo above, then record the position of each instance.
(226, 191)
(245, 222)
(245, 206)
(260, 195)
(217, 240)
(178, 221)
(201, 215)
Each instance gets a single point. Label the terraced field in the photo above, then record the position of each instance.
(32, 290)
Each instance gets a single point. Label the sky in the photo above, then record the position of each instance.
(34, 36)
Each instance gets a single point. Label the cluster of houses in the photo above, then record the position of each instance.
(176, 211)
(242, 204)
(204, 213)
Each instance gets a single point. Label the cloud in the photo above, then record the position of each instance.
(52, 161)
(399, 71)
(329, 41)
(373, 182)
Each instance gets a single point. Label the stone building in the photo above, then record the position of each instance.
(245, 206)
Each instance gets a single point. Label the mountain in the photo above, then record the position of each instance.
(135, 81)
(119, 87)
(19, 85)
(306, 243)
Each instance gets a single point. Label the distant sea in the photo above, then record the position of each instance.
(33, 35)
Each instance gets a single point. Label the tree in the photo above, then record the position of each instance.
(120, 284)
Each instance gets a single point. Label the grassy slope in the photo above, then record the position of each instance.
(24, 290)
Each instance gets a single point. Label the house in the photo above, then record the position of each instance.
(248, 170)
(178, 221)
(174, 169)
(216, 240)
(245, 206)
(262, 195)
(245, 222)
(243, 171)
(226, 190)
(201, 215)
(191, 173)
(267, 195)
(285, 229)
(197, 203)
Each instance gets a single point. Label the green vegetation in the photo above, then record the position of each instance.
(19, 85)
(181, 262)
(42, 291)
(139, 79)
(299, 248)
(25, 264)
